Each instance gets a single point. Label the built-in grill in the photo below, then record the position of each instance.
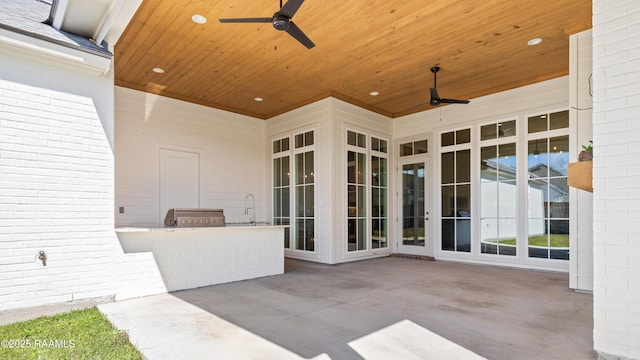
(194, 217)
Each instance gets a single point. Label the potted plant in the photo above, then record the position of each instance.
(587, 152)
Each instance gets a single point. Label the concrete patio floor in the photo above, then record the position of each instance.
(388, 308)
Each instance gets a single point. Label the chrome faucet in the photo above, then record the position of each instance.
(252, 218)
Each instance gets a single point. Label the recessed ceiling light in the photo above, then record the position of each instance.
(158, 70)
(199, 19)
(374, 93)
(534, 41)
(258, 99)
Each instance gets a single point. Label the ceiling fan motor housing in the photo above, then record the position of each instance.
(280, 22)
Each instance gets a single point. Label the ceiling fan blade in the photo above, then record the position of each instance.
(247, 20)
(453, 101)
(435, 99)
(297, 34)
(290, 8)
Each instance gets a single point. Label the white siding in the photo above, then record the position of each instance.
(231, 149)
(56, 181)
(616, 167)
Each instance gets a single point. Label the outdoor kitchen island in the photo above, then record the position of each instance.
(191, 257)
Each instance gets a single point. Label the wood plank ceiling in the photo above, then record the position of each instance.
(361, 46)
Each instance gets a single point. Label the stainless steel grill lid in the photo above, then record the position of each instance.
(194, 217)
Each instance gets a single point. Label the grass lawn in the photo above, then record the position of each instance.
(79, 334)
(557, 240)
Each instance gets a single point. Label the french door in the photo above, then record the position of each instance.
(414, 202)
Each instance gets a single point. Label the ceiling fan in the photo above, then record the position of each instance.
(281, 20)
(435, 98)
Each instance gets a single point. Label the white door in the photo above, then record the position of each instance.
(414, 202)
(179, 180)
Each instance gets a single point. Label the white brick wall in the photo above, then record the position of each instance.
(56, 182)
(616, 137)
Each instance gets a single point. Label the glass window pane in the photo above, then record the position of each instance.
(309, 235)
(287, 233)
(375, 171)
(362, 170)
(351, 138)
(375, 144)
(559, 198)
(383, 146)
(308, 165)
(559, 120)
(447, 166)
(352, 230)
(362, 141)
(537, 195)
(406, 149)
(383, 172)
(299, 139)
(308, 138)
(447, 139)
(507, 161)
(308, 201)
(285, 144)
(507, 128)
(463, 136)
(488, 163)
(489, 236)
(362, 208)
(463, 164)
(285, 203)
(362, 233)
(507, 236)
(300, 201)
(420, 147)
(489, 199)
(383, 202)
(448, 201)
(538, 158)
(277, 206)
(537, 123)
(276, 146)
(463, 200)
(488, 132)
(300, 234)
(507, 193)
(285, 171)
(375, 202)
(277, 172)
(463, 235)
(351, 201)
(351, 167)
(300, 168)
(558, 156)
(448, 234)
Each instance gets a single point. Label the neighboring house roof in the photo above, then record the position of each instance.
(29, 17)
